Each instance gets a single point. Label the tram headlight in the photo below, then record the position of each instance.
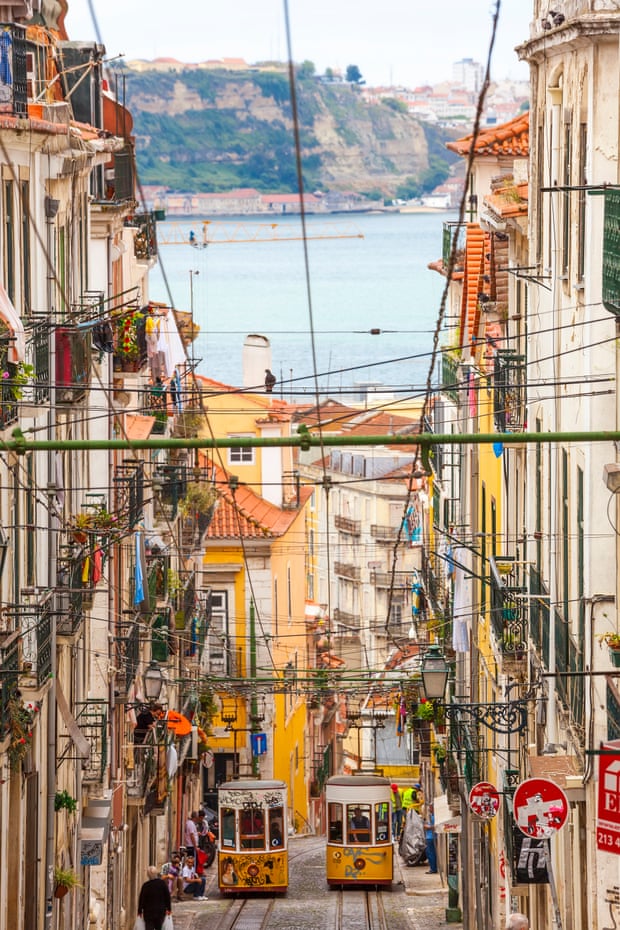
(359, 863)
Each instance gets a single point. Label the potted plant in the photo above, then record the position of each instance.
(64, 880)
(612, 641)
(20, 719)
(63, 800)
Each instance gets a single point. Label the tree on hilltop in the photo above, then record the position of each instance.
(354, 75)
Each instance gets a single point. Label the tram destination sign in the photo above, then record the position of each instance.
(608, 810)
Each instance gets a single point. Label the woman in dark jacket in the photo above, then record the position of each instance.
(154, 901)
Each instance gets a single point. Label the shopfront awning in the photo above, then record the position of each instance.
(12, 319)
(445, 820)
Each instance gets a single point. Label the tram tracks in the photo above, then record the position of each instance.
(359, 909)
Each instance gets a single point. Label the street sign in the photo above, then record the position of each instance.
(540, 807)
(484, 800)
(608, 819)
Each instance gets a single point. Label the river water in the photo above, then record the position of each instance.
(376, 280)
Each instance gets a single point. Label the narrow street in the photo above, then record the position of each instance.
(417, 901)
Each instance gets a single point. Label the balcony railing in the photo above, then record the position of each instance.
(450, 229)
(154, 405)
(129, 492)
(352, 527)
(8, 402)
(72, 364)
(10, 652)
(129, 328)
(14, 89)
(126, 655)
(383, 534)
(352, 572)
(35, 623)
(385, 580)
(351, 621)
(171, 483)
(145, 242)
(92, 719)
(509, 392)
(450, 374)
(509, 609)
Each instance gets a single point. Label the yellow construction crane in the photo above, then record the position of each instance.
(215, 232)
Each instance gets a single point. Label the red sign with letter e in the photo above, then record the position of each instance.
(608, 820)
(540, 807)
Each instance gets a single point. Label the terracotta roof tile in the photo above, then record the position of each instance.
(511, 138)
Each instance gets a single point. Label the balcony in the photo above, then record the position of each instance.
(10, 653)
(509, 392)
(35, 624)
(92, 719)
(384, 579)
(141, 770)
(449, 230)
(129, 492)
(15, 90)
(126, 655)
(8, 401)
(509, 615)
(383, 534)
(352, 572)
(129, 336)
(450, 374)
(351, 621)
(145, 241)
(154, 405)
(345, 525)
(72, 364)
(72, 597)
(170, 485)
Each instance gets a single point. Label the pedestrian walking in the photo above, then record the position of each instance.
(154, 901)
(192, 838)
(429, 834)
(517, 922)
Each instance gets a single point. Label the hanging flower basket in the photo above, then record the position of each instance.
(20, 721)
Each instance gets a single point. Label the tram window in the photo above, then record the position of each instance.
(252, 830)
(358, 821)
(228, 826)
(335, 823)
(382, 822)
(275, 827)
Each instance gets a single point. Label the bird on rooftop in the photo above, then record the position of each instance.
(270, 380)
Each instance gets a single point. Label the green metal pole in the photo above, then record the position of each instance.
(20, 444)
(254, 699)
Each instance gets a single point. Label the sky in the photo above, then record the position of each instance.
(408, 42)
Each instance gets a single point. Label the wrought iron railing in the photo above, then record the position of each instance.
(352, 572)
(10, 651)
(35, 624)
(509, 392)
(170, 481)
(127, 654)
(92, 719)
(509, 608)
(129, 492)
(8, 402)
(41, 354)
(451, 230)
(145, 242)
(450, 374)
(386, 534)
(73, 348)
(352, 527)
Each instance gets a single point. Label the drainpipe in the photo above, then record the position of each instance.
(254, 699)
(555, 94)
(51, 209)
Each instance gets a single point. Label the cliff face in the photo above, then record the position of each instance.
(208, 131)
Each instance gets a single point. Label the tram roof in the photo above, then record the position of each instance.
(367, 781)
(252, 784)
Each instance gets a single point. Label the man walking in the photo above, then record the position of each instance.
(154, 901)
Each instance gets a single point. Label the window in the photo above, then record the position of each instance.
(242, 455)
(252, 829)
(25, 246)
(227, 827)
(276, 827)
(382, 822)
(581, 202)
(566, 199)
(358, 824)
(9, 239)
(218, 651)
(334, 821)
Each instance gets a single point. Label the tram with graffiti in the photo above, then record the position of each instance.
(359, 825)
(252, 855)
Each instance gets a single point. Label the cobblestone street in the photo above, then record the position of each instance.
(418, 900)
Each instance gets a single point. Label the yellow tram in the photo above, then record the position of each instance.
(253, 822)
(359, 825)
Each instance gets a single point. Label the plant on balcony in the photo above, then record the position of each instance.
(20, 720)
(426, 710)
(97, 520)
(17, 376)
(127, 346)
(64, 801)
(64, 880)
(199, 499)
(612, 641)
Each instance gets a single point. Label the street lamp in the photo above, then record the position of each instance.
(153, 681)
(501, 717)
(434, 671)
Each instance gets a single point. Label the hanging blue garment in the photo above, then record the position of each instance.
(138, 596)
